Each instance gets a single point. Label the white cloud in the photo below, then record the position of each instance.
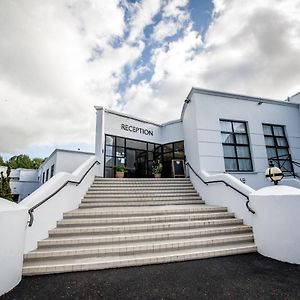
(144, 13)
(58, 58)
(252, 49)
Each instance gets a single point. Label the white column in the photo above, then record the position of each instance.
(100, 138)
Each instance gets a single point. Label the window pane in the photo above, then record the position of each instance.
(230, 164)
(226, 126)
(285, 165)
(120, 142)
(120, 161)
(227, 138)
(179, 154)
(109, 161)
(283, 152)
(245, 165)
(269, 141)
(229, 151)
(120, 152)
(239, 127)
(110, 140)
(109, 172)
(150, 155)
(278, 130)
(242, 151)
(267, 130)
(178, 146)
(110, 151)
(136, 144)
(241, 139)
(281, 141)
(271, 152)
(168, 156)
(168, 148)
(150, 147)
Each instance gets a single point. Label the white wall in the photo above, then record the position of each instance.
(69, 198)
(276, 222)
(13, 219)
(209, 109)
(113, 123)
(172, 132)
(63, 161)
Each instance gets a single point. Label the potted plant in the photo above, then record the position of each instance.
(120, 170)
(157, 168)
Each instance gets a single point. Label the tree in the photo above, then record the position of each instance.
(5, 191)
(2, 163)
(20, 161)
(37, 161)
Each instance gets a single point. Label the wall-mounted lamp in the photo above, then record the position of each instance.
(274, 174)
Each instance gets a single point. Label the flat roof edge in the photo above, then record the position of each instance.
(239, 96)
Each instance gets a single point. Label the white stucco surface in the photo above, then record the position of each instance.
(46, 216)
(276, 222)
(13, 220)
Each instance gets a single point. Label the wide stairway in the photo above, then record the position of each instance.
(132, 222)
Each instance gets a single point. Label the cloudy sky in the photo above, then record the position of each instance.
(59, 58)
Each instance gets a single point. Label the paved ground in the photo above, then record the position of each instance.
(249, 276)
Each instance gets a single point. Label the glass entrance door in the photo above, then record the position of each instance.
(136, 163)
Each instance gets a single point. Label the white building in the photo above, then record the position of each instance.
(217, 132)
(22, 182)
(227, 141)
(61, 160)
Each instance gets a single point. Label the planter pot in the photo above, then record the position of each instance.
(119, 174)
(157, 175)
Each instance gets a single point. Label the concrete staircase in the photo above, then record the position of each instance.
(131, 222)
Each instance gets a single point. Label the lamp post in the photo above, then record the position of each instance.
(274, 174)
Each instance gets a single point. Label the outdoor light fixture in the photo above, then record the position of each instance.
(274, 174)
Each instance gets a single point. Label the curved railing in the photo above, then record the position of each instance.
(226, 183)
(31, 210)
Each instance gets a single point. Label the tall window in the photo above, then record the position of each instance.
(52, 171)
(277, 146)
(236, 148)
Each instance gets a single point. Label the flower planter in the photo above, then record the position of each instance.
(119, 174)
(157, 175)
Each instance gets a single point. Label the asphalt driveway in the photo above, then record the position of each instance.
(249, 276)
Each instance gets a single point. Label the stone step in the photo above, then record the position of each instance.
(99, 262)
(138, 203)
(140, 185)
(142, 189)
(140, 194)
(138, 199)
(137, 247)
(142, 211)
(131, 228)
(128, 238)
(97, 178)
(142, 220)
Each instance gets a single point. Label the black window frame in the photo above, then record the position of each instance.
(236, 145)
(156, 150)
(277, 161)
(47, 174)
(52, 171)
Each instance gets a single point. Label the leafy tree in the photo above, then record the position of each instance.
(20, 161)
(37, 161)
(5, 191)
(2, 163)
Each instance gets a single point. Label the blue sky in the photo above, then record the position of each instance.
(58, 59)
